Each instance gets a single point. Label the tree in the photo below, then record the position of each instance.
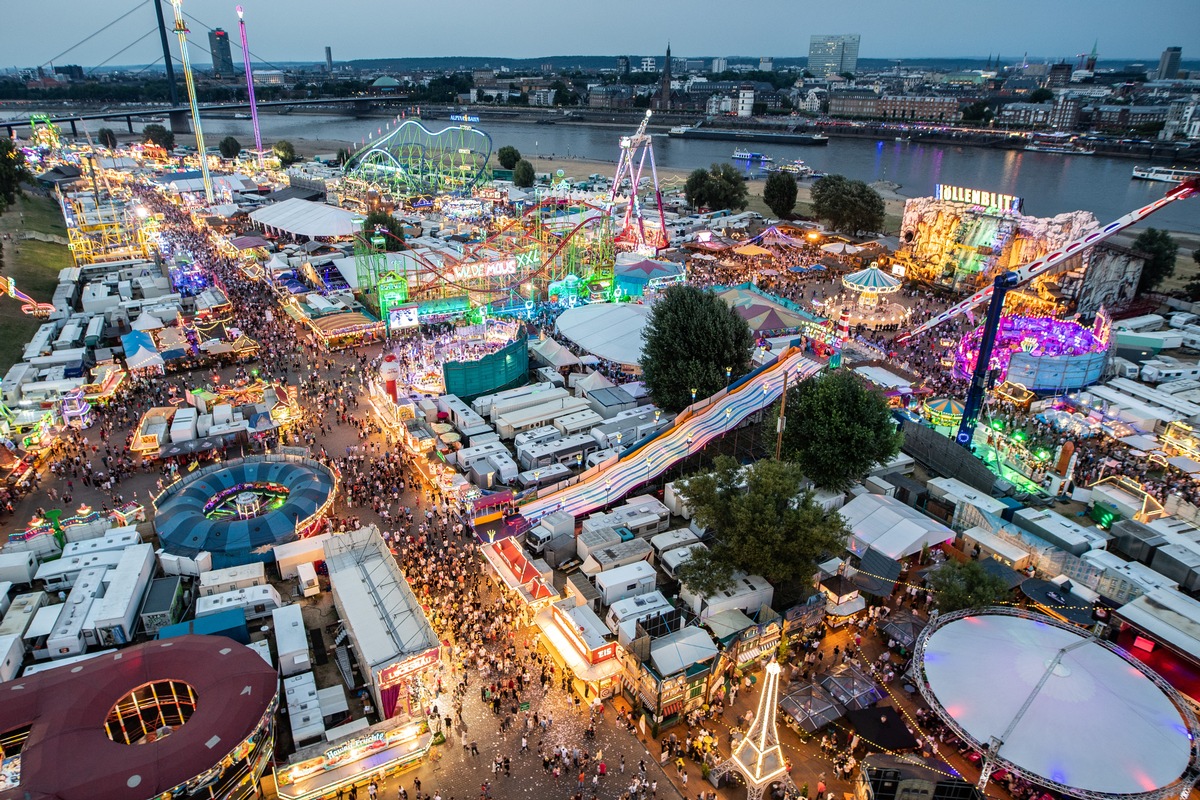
(694, 342)
(523, 175)
(157, 134)
(508, 156)
(837, 429)
(1040, 95)
(696, 187)
(779, 193)
(107, 138)
(721, 187)
(848, 206)
(958, 585)
(763, 522)
(13, 172)
(1192, 287)
(229, 147)
(285, 151)
(393, 240)
(1161, 251)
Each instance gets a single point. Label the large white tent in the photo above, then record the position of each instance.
(305, 218)
(1064, 707)
(612, 331)
(890, 527)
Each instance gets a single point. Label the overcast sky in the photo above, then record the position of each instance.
(299, 30)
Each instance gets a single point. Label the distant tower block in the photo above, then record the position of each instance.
(328, 59)
(758, 757)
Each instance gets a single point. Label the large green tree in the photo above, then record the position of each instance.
(693, 341)
(393, 239)
(13, 172)
(523, 174)
(157, 134)
(1161, 250)
(229, 147)
(107, 138)
(837, 429)
(720, 187)
(958, 585)
(763, 523)
(1193, 286)
(779, 193)
(847, 205)
(285, 151)
(508, 156)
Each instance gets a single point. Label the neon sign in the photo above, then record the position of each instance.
(484, 269)
(978, 197)
(393, 674)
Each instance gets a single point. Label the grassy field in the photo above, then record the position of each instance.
(33, 265)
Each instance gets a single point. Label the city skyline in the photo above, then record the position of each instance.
(928, 29)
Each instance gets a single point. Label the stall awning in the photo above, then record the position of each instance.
(583, 669)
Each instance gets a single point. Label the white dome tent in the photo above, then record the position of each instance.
(1048, 700)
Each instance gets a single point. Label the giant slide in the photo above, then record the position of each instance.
(695, 427)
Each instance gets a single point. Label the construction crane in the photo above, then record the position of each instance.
(1007, 281)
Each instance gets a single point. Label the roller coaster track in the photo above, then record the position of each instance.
(443, 279)
(693, 429)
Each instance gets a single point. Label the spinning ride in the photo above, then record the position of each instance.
(240, 510)
(1041, 353)
(869, 306)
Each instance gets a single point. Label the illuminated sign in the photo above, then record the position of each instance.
(463, 118)
(402, 317)
(978, 197)
(393, 674)
(484, 269)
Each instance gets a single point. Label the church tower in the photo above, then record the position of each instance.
(664, 93)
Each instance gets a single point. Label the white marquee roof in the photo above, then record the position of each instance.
(612, 331)
(1097, 724)
(890, 527)
(306, 218)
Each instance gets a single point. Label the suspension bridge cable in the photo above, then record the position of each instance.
(153, 30)
(95, 33)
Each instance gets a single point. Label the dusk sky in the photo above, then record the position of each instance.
(299, 30)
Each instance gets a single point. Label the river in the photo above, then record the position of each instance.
(1049, 183)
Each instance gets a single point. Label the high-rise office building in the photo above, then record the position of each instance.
(328, 58)
(833, 54)
(720, 64)
(222, 56)
(1168, 63)
(623, 65)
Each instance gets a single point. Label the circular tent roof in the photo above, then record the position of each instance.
(612, 331)
(1069, 710)
(871, 279)
(68, 753)
(185, 527)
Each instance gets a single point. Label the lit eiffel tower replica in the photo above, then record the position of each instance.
(758, 756)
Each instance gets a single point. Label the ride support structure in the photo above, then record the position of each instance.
(636, 150)
(980, 377)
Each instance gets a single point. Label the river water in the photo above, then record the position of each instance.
(1050, 183)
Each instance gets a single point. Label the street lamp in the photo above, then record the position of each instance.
(728, 374)
(693, 395)
(607, 492)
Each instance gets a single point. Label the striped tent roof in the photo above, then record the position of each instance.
(871, 279)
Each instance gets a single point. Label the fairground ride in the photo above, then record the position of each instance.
(28, 305)
(412, 162)
(1007, 281)
(636, 151)
(551, 251)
